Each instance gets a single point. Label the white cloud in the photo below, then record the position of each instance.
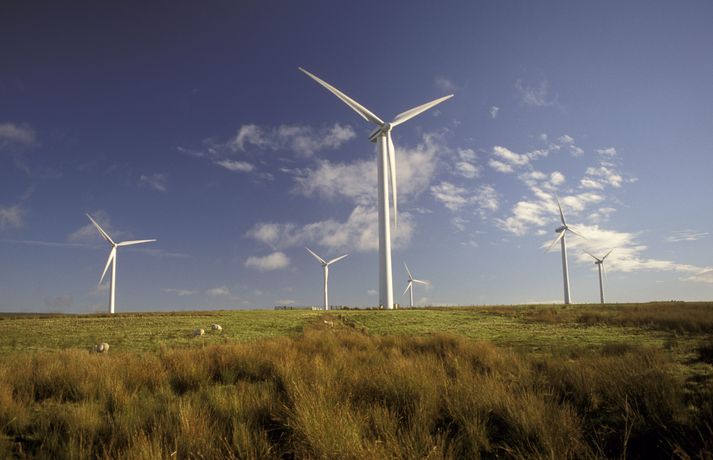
(454, 197)
(358, 233)
(156, 181)
(494, 112)
(274, 261)
(445, 84)
(179, 292)
(628, 254)
(557, 178)
(235, 165)
(534, 95)
(284, 302)
(686, 235)
(591, 183)
(510, 157)
(500, 166)
(567, 141)
(372, 292)
(465, 165)
(13, 136)
(608, 152)
(218, 291)
(703, 276)
(459, 223)
(12, 217)
(301, 139)
(357, 182)
(606, 173)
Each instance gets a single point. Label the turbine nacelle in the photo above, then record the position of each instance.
(561, 229)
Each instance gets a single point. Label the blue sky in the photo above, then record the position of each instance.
(191, 124)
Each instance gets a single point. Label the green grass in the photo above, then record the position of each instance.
(480, 382)
(144, 331)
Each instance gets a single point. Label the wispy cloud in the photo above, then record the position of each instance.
(534, 95)
(301, 139)
(358, 233)
(445, 84)
(686, 235)
(483, 198)
(15, 136)
(156, 181)
(12, 217)
(179, 292)
(88, 234)
(235, 165)
(494, 111)
(221, 291)
(274, 261)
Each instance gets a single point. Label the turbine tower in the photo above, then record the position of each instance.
(409, 283)
(112, 261)
(561, 237)
(600, 264)
(386, 170)
(325, 265)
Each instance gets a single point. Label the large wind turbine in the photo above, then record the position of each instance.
(561, 237)
(409, 283)
(112, 261)
(600, 263)
(386, 170)
(325, 265)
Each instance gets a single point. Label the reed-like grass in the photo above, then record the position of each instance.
(343, 393)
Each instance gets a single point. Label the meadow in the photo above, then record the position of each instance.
(584, 381)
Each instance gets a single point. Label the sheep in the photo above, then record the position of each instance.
(198, 332)
(101, 348)
(216, 327)
(329, 323)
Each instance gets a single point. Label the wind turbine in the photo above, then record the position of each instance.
(561, 237)
(325, 265)
(112, 261)
(600, 263)
(409, 284)
(386, 170)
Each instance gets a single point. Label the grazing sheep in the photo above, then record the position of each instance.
(216, 327)
(329, 323)
(198, 332)
(101, 348)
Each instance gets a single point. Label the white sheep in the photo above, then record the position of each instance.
(198, 332)
(329, 323)
(101, 348)
(216, 327)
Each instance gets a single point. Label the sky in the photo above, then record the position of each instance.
(190, 123)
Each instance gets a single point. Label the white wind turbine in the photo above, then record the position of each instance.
(561, 237)
(409, 283)
(386, 170)
(112, 261)
(325, 265)
(600, 263)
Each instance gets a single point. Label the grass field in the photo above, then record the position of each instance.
(585, 381)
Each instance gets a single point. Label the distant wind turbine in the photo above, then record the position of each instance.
(325, 265)
(561, 237)
(409, 283)
(600, 263)
(386, 171)
(112, 261)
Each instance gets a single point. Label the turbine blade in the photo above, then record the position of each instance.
(561, 213)
(133, 242)
(319, 259)
(410, 276)
(408, 286)
(559, 237)
(337, 259)
(358, 108)
(607, 254)
(568, 229)
(392, 176)
(592, 256)
(410, 113)
(101, 231)
(424, 282)
(112, 255)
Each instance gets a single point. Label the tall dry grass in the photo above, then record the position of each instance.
(340, 393)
